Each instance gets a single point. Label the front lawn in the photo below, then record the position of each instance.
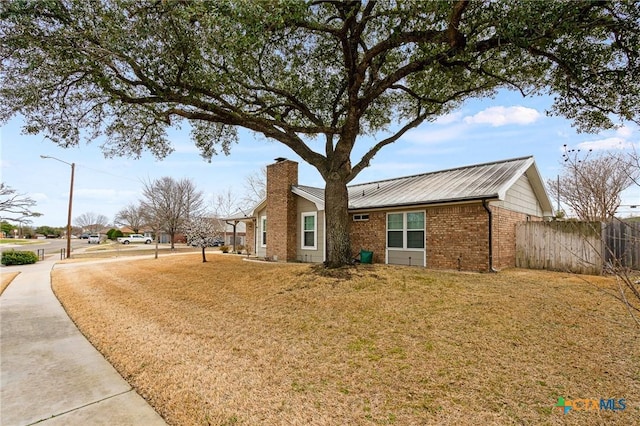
(5, 280)
(19, 241)
(232, 342)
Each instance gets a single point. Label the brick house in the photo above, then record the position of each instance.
(462, 218)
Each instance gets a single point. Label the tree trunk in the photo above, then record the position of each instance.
(336, 203)
(204, 257)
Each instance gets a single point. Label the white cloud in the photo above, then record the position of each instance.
(624, 132)
(449, 118)
(606, 144)
(501, 116)
(429, 136)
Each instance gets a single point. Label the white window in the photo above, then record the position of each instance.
(405, 230)
(263, 231)
(360, 217)
(309, 230)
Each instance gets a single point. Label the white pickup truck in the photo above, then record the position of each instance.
(135, 238)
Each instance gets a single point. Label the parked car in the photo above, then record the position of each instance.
(84, 236)
(94, 239)
(135, 238)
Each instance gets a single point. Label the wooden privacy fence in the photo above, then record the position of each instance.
(580, 247)
(622, 244)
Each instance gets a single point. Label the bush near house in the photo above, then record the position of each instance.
(13, 257)
(113, 234)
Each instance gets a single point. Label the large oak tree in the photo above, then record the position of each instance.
(314, 75)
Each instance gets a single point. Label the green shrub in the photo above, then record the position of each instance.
(113, 234)
(13, 257)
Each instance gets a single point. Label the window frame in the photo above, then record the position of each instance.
(405, 230)
(263, 231)
(303, 231)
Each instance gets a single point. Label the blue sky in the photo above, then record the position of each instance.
(503, 127)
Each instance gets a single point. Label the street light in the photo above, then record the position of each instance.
(73, 167)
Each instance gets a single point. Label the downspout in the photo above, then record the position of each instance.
(490, 214)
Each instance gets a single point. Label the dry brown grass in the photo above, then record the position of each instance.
(120, 250)
(5, 280)
(231, 342)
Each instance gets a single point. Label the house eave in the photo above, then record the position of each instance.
(463, 200)
(319, 203)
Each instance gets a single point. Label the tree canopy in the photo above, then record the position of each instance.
(201, 231)
(131, 216)
(91, 222)
(314, 75)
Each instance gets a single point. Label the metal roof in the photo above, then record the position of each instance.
(476, 182)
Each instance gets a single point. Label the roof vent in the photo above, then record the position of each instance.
(279, 159)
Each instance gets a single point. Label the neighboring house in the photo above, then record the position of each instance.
(235, 227)
(462, 218)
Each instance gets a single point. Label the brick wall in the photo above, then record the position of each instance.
(458, 237)
(281, 210)
(504, 235)
(370, 235)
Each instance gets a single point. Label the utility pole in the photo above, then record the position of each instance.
(73, 167)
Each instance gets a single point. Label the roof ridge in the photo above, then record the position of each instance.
(470, 166)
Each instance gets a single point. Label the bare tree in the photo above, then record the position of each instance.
(131, 216)
(225, 205)
(92, 222)
(201, 231)
(152, 221)
(628, 279)
(15, 207)
(255, 186)
(633, 160)
(591, 185)
(170, 203)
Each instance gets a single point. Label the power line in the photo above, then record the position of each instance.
(108, 173)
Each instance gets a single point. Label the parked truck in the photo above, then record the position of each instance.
(135, 238)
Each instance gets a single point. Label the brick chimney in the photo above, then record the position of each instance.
(281, 210)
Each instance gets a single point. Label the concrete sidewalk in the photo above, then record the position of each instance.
(49, 373)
